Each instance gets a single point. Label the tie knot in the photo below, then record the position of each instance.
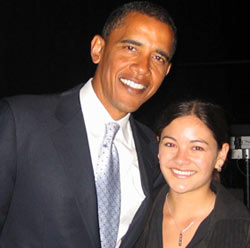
(111, 129)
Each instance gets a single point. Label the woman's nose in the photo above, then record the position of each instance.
(182, 157)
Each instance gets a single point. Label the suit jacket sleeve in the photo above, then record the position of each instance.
(7, 159)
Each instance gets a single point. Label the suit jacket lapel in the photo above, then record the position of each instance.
(147, 155)
(147, 158)
(72, 145)
(71, 142)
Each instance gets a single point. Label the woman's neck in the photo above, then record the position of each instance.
(196, 203)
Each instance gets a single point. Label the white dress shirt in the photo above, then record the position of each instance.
(95, 117)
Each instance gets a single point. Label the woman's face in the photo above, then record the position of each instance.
(188, 154)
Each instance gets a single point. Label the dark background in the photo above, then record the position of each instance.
(45, 48)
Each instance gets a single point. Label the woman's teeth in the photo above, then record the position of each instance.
(183, 173)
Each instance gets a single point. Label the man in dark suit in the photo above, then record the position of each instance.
(49, 144)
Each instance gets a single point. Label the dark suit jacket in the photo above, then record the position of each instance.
(47, 189)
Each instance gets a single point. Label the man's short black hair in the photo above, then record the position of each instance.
(144, 7)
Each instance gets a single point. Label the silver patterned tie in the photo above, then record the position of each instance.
(107, 179)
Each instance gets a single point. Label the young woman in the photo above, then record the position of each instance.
(192, 209)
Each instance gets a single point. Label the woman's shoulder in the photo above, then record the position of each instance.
(229, 223)
(227, 206)
(230, 233)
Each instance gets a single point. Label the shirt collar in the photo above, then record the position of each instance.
(95, 114)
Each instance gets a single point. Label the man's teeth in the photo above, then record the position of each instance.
(133, 84)
(183, 173)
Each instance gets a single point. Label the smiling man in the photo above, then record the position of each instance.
(50, 145)
(132, 62)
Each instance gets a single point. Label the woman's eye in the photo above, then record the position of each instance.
(169, 144)
(198, 148)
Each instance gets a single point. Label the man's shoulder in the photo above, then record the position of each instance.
(39, 106)
(37, 101)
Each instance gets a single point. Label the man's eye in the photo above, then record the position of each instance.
(131, 48)
(159, 58)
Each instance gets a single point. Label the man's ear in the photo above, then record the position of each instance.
(168, 69)
(222, 156)
(97, 47)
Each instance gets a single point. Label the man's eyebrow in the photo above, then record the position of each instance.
(133, 42)
(162, 53)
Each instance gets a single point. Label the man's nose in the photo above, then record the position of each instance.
(141, 65)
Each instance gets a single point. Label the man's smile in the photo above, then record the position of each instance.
(132, 84)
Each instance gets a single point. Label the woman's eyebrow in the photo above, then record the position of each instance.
(199, 141)
(168, 137)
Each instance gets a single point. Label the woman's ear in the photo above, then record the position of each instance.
(97, 47)
(222, 156)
